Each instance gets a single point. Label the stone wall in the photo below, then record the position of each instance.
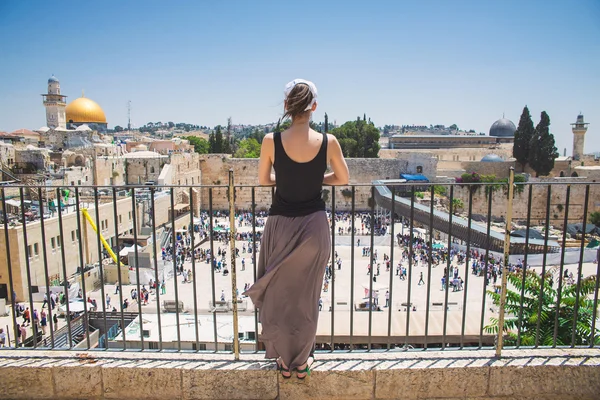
(215, 171)
(524, 374)
(557, 206)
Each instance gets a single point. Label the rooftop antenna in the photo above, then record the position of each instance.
(129, 115)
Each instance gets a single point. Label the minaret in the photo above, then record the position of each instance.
(55, 104)
(579, 130)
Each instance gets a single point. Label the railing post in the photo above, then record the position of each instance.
(234, 304)
(509, 206)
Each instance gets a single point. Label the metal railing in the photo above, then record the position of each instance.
(537, 302)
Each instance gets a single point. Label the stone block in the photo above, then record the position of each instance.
(229, 384)
(135, 381)
(329, 385)
(26, 382)
(76, 381)
(431, 382)
(579, 381)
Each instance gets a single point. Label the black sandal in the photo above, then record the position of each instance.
(283, 369)
(305, 370)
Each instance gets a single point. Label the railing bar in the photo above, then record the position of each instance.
(212, 265)
(232, 235)
(174, 243)
(13, 292)
(543, 276)
(467, 260)
(562, 265)
(137, 265)
(155, 258)
(119, 280)
(580, 266)
(448, 264)
(411, 253)
(256, 346)
(595, 305)
(485, 265)
(429, 266)
(86, 320)
(332, 270)
(391, 271)
(46, 273)
(194, 276)
(524, 266)
(100, 267)
(371, 297)
(352, 265)
(28, 266)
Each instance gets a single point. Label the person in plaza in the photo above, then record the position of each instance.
(296, 243)
(2, 338)
(43, 321)
(421, 281)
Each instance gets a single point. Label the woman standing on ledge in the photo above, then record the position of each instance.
(296, 243)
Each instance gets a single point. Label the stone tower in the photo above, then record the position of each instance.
(579, 130)
(55, 104)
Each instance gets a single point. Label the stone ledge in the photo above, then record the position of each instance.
(520, 374)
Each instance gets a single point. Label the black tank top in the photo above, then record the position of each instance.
(298, 185)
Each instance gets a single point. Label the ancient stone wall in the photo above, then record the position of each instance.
(215, 171)
(556, 208)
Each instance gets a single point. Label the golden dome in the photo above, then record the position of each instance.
(85, 110)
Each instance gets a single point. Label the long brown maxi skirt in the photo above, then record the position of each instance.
(291, 265)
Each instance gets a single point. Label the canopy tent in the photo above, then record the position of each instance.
(126, 250)
(414, 177)
(533, 234)
(574, 229)
(593, 244)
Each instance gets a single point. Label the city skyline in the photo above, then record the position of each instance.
(464, 63)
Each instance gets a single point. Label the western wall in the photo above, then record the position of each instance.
(215, 171)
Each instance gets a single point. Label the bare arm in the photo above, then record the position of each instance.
(340, 174)
(265, 163)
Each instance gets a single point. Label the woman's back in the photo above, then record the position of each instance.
(300, 160)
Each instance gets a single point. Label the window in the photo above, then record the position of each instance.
(106, 224)
(86, 178)
(36, 249)
(151, 170)
(130, 215)
(53, 243)
(419, 169)
(58, 241)
(120, 219)
(192, 180)
(102, 225)
(29, 251)
(72, 236)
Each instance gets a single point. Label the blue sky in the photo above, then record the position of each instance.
(400, 62)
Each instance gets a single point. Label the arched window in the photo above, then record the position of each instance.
(419, 169)
(562, 174)
(151, 170)
(574, 175)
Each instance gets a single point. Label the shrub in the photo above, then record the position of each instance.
(347, 193)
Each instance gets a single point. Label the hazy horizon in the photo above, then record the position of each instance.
(426, 63)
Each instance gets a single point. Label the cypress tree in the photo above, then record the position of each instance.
(543, 152)
(523, 137)
(218, 140)
(211, 143)
(326, 123)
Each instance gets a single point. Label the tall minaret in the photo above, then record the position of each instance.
(579, 130)
(55, 104)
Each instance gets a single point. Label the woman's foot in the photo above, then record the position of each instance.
(303, 371)
(285, 372)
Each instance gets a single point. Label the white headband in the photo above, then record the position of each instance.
(311, 86)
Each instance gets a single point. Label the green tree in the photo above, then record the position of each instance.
(326, 123)
(358, 139)
(248, 148)
(201, 146)
(218, 145)
(211, 142)
(118, 128)
(542, 152)
(531, 304)
(257, 135)
(523, 137)
(595, 218)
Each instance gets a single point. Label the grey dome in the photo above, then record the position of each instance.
(492, 158)
(52, 79)
(503, 128)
